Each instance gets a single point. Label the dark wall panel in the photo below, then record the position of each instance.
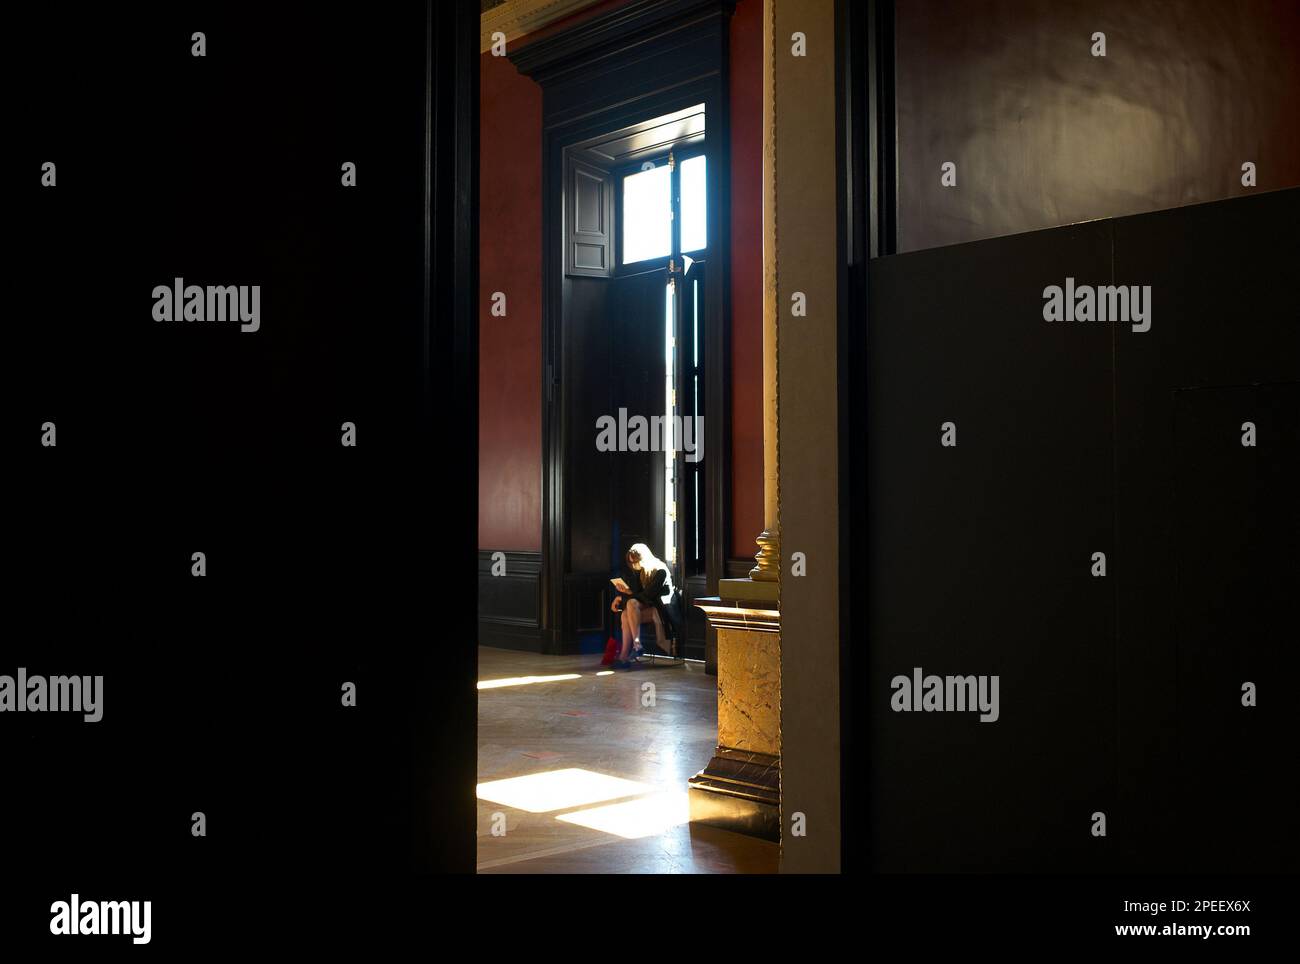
(978, 555)
(1221, 321)
(1119, 694)
(510, 601)
(1235, 570)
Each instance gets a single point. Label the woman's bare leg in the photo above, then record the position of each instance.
(631, 628)
(627, 632)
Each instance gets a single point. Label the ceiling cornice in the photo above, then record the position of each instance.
(517, 18)
(603, 35)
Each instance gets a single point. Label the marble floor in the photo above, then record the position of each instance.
(584, 770)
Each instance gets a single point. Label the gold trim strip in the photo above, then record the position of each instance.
(516, 18)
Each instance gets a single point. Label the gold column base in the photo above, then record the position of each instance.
(738, 791)
(768, 557)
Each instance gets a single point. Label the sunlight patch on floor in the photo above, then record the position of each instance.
(645, 817)
(558, 790)
(492, 684)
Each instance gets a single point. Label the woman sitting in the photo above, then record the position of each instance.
(654, 594)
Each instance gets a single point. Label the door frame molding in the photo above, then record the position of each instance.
(867, 228)
(441, 822)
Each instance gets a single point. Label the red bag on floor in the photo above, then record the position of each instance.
(611, 652)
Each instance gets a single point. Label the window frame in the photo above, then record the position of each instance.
(679, 155)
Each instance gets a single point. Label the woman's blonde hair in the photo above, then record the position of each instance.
(650, 563)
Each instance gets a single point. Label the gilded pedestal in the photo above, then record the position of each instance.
(740, 789)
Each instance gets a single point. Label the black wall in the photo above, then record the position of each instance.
(1119, 694)
(325, 564)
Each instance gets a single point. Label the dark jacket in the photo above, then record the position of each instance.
(654, 591)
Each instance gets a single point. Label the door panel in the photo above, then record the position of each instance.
(637, 372)
(614, 334)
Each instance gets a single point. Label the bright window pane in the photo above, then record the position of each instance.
(647, 215)
(694, 232)
(670, 456)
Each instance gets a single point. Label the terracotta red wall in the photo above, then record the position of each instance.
(746, 277)
(510, 348)
(510, 237)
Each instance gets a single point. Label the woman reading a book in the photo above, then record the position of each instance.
(654, 593)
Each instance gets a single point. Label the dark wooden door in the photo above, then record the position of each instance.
(614, 484)
(639, 386)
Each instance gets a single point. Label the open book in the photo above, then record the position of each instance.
(618, 583)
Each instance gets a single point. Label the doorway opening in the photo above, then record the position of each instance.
(629, 352)
(632, 341)
(635, 200)
(663, 214)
